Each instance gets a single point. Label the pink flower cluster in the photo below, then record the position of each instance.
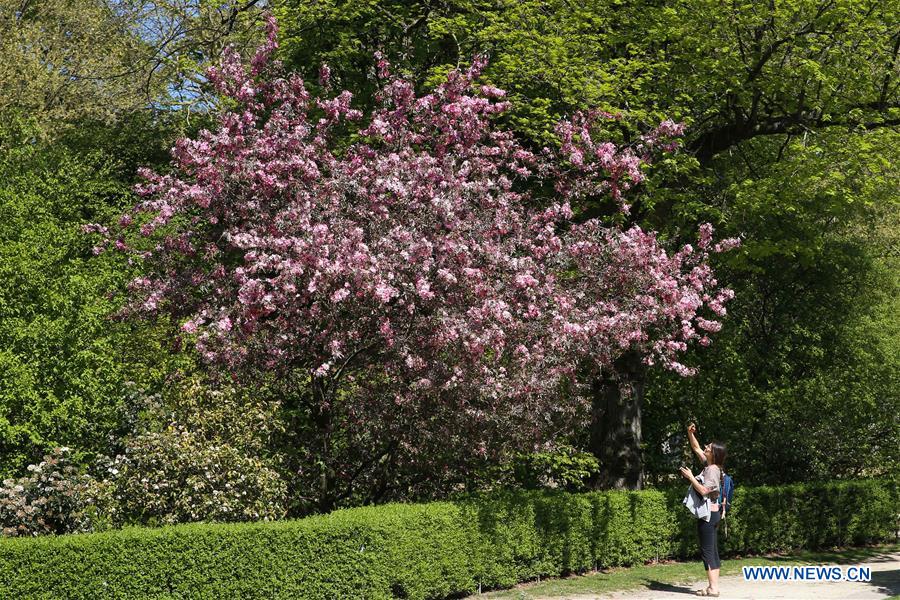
(413, 261)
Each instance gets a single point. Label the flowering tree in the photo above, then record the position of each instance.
(437, 311)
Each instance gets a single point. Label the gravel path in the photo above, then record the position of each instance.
(885, 583)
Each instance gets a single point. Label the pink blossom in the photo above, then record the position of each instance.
(340, 295)
(706, 325)
(423, 288)
(323, 369)
(324, 75)
(706, 233)
(384, 292)
(492, 92)
(414, 254)
(727, 244)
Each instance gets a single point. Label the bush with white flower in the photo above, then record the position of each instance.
(198, 454)
(177, 476)
(53, 498)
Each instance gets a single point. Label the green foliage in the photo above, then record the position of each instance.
(63, 361)
(560, 467)
(437, 549)
(804, 383)
(565, 468)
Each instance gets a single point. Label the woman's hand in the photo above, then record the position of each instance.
(686, 473)
(695, 445)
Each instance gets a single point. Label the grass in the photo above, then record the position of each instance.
(661, 576)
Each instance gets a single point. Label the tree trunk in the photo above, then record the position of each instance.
(616, 424)
(323, 419)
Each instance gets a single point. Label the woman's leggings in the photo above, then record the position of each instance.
(709, 544)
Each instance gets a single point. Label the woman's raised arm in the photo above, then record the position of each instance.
(695, 445)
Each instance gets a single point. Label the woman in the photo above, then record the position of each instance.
(713, 456)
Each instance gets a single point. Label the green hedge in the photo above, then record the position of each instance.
(438, 549)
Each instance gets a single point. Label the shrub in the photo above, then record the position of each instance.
(176, 476)
(405, 551)
(771, 518)
(54, 498)
(522, 535)
(631, 527)
(194, 454)
(437, 549)
(198, 454)
(562, 467)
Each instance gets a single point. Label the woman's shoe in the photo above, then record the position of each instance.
(706, 592)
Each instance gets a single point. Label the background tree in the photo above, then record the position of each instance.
(68, 64)
(63, 61)
(815, 357)
(734, 71)
(63, 365)
(89, 91)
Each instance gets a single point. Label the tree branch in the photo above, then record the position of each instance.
(716, 140)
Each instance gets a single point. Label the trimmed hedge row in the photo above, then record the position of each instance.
(437, 549)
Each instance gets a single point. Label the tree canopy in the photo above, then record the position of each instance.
(405, 276)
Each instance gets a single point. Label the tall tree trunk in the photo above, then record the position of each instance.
(616, 424)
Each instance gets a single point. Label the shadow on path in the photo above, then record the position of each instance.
(887, 582)
(659, 586)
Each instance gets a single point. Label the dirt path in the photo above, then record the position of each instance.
(885, 583)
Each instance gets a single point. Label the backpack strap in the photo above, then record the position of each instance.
(723, 505)
(723, 495)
